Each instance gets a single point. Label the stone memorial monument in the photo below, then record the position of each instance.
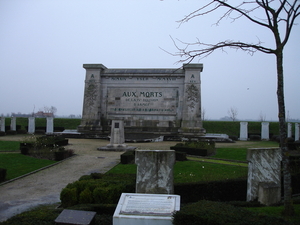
(2, 124)
(155, 171)
(157, 101)
(264, 175)
(243, 131)
(13, 124)
(117, 138)
(31, 125)
(265, 130)
(150, 209)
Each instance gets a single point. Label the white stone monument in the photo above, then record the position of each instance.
(265, 131)
(297, 134)
(289, 131)
(264, 172)
(150, 209)
(243, 131)
(2, 124)
(155, 171)
(117, 138)
(49, 129)
(13, 124)
(31, 125)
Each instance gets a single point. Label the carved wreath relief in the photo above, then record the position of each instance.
(192, 96)
(90, 95)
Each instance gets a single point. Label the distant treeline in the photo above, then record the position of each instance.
(222, 127)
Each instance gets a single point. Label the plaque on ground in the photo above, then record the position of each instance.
(75, 217)
(137, 208)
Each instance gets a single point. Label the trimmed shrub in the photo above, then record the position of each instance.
(2, 174)
(86, 196)
(68, 197)
(128, 157)
(217, 213)
(200, 148)
(180, 156)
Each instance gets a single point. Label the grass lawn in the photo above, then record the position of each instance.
(191, 171)
(9, 146)
(18, 164)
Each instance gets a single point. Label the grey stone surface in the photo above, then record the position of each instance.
(49, 128)
(75, 217)
(269, 193)
(264, 166)
(149, 100)
(289, 130)
(243, 131)
(2, 124)
(297, 128)
(13, 122)
(155, 171)
(31, 125)
(265, 130)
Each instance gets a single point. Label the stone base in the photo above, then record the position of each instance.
(117, 148)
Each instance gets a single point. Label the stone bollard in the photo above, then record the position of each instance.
(155, 171)
(264, 172)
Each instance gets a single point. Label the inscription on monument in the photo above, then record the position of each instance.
(142, 101)
(154, 205)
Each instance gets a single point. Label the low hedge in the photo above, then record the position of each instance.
(224, 190)
(200, 148)
(105, 189)
(218, 213)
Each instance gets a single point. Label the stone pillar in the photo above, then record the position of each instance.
(155, 171)
(31, 125)
(243, 131)
(289, 131)
(191, 111)
(13, 124)
(264, 169)
(2, 124)
(117, 137)
(91, 113)
(297, 127)
(49, 129)
(265, 131)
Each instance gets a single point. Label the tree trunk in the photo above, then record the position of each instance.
(287, 182)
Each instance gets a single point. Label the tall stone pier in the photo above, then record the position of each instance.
(155, 171)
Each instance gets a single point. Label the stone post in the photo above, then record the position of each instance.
(13, 124)
(289, 131)
(264, 174)
(297, 126)
(155, 171)
(2, 124)
(91, 113)
(31, 125)
(243, 131)
(265, 131)
(191, 111)
(49, 129)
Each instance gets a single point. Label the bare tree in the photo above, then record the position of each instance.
(277, 16)
(233, 112)
(262, 117)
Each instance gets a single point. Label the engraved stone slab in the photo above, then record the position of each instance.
(75, 217)
(146, 209)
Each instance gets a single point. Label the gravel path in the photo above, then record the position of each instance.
(44, 187)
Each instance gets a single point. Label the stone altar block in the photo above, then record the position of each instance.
(155, 171)
(150, 209)
(77, 217)
(264, 167)
(243, 131)
(265, 131)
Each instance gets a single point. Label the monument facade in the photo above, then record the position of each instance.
(161, 101)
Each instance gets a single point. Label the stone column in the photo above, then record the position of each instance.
(13, 124)
(264, 169)
(155, 171)
(297, 126)
(49, 129)
(2, 124)
(117, 137)
(91, 113)
(289, 131)
(191, 111)
(31, 125)
(265, 131)
(243, 131)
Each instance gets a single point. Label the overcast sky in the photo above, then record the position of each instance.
(44, 43)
